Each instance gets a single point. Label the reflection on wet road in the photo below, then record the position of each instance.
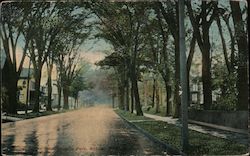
(89, 131)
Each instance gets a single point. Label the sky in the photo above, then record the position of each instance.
(91, 51)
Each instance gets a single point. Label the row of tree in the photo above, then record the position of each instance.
(145, 40)
(144, 37)
(48, 34)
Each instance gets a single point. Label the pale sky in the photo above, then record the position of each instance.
(91, 52)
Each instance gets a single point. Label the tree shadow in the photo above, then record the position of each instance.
(7, 146)
(31, 143)
(64, 144)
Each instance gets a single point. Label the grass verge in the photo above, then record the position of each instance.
(129, 116)
(34, 115)
(200, 144)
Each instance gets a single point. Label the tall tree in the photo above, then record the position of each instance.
(71, 70)
(165, 68)
(124, 36)
(243, 55)
(53, 21)
(201, 31)
(41, 43)
(170, 15)
(16, 21)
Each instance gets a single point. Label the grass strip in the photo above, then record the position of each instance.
(131, 116)
(37, 114)
(200, 144)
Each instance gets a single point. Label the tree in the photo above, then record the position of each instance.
(170, 15)
(243, 55)
(116, 61)
(183, 77)
(77, 85)
(54, 20)
(14, 20)
(71, 70)
(165, 68)
(124, 36)
(41, 43)
(201, 32)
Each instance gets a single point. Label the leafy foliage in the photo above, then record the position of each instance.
(224, 86)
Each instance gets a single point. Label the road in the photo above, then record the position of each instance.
(89, 131)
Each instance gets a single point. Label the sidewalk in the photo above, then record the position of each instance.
(226, 133)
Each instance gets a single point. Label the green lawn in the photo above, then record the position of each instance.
(200, 144)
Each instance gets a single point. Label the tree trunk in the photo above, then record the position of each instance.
(189, 63)
(127, 83)
(224, 47)
(243, 55)
(136, 96)
(188, 89)
(66, 97)
(168, 92)
(127, 95)
(157, 98)
(132, 99)
(75, 103)
(135, 88)
(121, 97)
(145, 93)
(134, 74)
(177, 80)
(206, 70)
(12, 95)
(199, 94)
(59, 88)
(232, 59)
(49, 83)
(38, 73)
(153, 97)
(9, 81)
(113, 101)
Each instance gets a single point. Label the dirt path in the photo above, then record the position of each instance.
(89, 131)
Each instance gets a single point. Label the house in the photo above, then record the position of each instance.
(26, 92)
(54, 94)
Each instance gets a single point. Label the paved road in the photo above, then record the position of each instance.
(89, 131)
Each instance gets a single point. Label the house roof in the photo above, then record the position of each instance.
(25, 71)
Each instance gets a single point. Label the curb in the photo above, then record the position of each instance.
(170, 149)
(10, 118)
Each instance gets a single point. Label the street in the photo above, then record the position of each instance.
(88, 131)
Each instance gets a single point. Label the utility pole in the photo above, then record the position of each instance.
(183, 76)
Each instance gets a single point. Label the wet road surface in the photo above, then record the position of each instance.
(88, 131)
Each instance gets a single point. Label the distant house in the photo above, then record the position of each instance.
(44, 94)
(24, 88)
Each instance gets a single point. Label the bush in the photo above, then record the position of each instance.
(21, 106)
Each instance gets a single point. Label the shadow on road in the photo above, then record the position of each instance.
(31, 143)
(8, 148)
(90, 131)
(124, 140)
